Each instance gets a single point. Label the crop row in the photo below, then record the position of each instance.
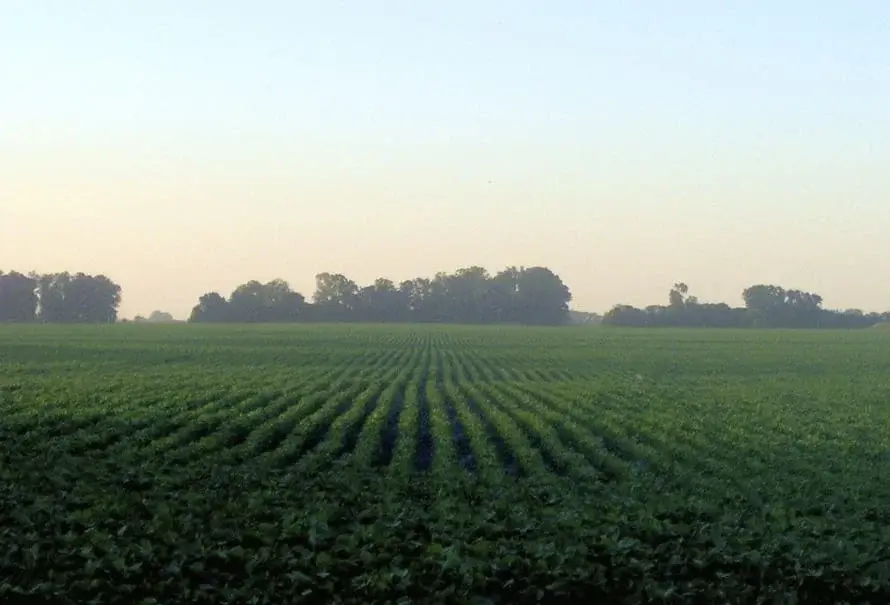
(421, 408)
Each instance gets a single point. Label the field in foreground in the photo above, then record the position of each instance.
(202, 464)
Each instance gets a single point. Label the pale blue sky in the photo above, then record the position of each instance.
(188, 146)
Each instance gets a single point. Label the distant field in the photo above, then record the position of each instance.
(205, 464)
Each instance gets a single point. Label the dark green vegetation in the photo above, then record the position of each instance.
(766, 306)
(471, 295)
(360, 464)
(58, 298)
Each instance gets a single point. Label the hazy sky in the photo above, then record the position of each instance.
(186, 146)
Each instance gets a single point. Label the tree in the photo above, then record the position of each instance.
(439, 307)
(336, 296)
(503, 295)
(471, 295)
(79, 298)
(156, 317)
(211, 307)
(382, 301)
(626, 315)
(247, 302)
(51, 296)
(252, 302)
(683, 309)
(766, 306)
(283, 303)
(18, 297)
(775, 307)
(677, 297)
(417, 294)
(466, 292)
(584, 318)
(542, 297)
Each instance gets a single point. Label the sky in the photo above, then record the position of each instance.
(181, 147)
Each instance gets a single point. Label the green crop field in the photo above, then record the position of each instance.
(364, 464)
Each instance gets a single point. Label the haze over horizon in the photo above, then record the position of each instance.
(181, 149)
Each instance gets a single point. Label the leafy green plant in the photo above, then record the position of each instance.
(364, 464)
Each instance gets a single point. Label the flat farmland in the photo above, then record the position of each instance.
(414, 463)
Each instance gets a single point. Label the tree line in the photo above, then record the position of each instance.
(58, 298)
(524, 295)
(766, 306)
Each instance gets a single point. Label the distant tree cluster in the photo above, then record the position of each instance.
(532, 295)
(58, 298)
(766, 306)
(584, 318)
(156, 317)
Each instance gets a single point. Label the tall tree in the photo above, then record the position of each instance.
(336, 296)
(248, 303)
(542, 297)
(417, 294)
(252, 302)
(382, 301)
(765, 305)
(467, 295)
(212, 307)
(504, 295)
(79, 298)
(627, 315)
(284, 304)
(677, 296)
(774, 307)
(18, 297)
